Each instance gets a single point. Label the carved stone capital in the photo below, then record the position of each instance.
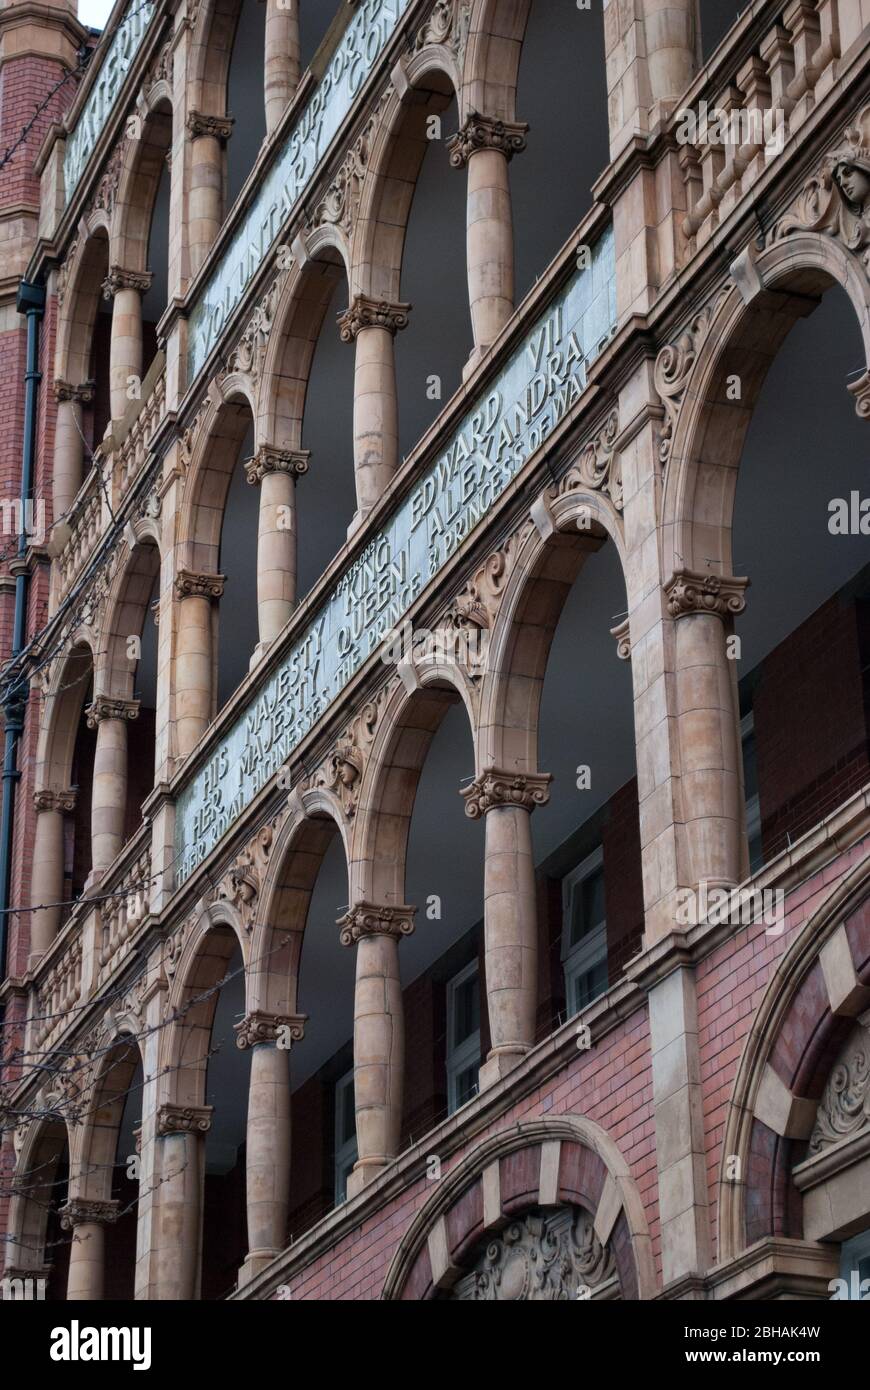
(47, 800)
(221, 127)
(188, 584)
(371, 919)
(79, 1210)
(494, 789)
(860, 390)
(120, 279)
(719, 594)
(485, 133)
(372, 313)
(257, 1027)
(269, 460)
(65, 391)
(183, 1119)
(622, 638)
(105, 707)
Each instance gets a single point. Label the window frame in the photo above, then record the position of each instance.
(346, 1151)
(591, 951)
(467, 1054)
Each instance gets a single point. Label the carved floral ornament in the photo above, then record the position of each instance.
(340, 203)
(447, 25)
(688, 593)
(835, 201)
(542, 1257)
(486, 133)
(341, 772)
(370, 919)
(598, 468)
(372, 313)
(674, 364)
(79, 1211)
(269, 460)
(248, 354)
(243, 881)
(258, 1027)
(495, 789)
(844, 1108)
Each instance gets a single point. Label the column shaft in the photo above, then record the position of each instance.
(205, 198)
(68, 455)
(281, 59)
(194, 656)
(109, 804)
(125, 354)
(510, 930)
(85, 1279)
(268, 1149)
(490, 245)
(375, 416)
(180, 1216)
(47, 878)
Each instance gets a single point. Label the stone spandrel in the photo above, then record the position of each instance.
(291, 172)
(538, 386)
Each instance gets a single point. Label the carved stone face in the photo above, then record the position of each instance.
(854, 184)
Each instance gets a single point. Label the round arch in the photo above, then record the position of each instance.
(492, 58)
(141, 170)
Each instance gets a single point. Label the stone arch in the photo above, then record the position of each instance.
(739, 331)
(524, 587)
(36, 1175)
(399, 146)
(141, 169)
(101, 1124)
(211, 48)
(192, 1000)
(84, 271)
(492, 58)
(221, 429)
(405, 730)
(126, 612)
(295, 861)
(806, 1013)
(64, 702)
(543, 1163)
(297, 322)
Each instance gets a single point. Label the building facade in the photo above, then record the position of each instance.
(436, 619)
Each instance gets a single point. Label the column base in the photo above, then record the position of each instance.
(499, 1064)
(256, 1261)
(358, 521)
(258, 653)
(364, 1173)
(92, 882)
(475, 360)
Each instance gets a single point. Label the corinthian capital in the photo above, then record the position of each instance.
(269, 460)
(120, 279)
(486, 133)
(47, 800)
(188, 584)
(221, 127)
(719, 594)
(371, 919)
(259, 1027)
(79, 1210)
(65, 391)
(494, 789)
(183, 1119)
(372, 313)
(105, 707)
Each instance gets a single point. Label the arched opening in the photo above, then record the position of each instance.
(237, 559)
(132, 671)
(41, 1190)
(245, 78)
(224, 1235)
(110, 1163)
(568, 142)
(156, 297)
(72, 765)
(82, 387)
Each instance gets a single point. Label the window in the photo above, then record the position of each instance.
(584, 933)
(463, 1037)
(855, 1267)
(750, 792)
(345, 1135)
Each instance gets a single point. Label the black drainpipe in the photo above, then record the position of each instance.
(31, 301)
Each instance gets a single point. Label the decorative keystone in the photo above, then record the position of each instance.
(47, 800)
(269, 460)
(120, 279)
(494, 789)
(78, 1210)
(372, 313)
(188, 584)
(368, 919)
(221, 127)
(486, 133)
(105, 707)
(721, 595)
(65, 391)
(259, 1027)
(183, 1119)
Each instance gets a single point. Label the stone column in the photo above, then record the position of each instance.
(275, 472)
(208, 135)
(378, 1034)
(373, 325)
(267, 1152)
(487, 146)
(126, 288)
(47, 878)
(109, 802)
(510, 922)
(282, 58)
(180, 1132)
(87, 1220)
(194, 655)
(704, 606)
(68, 444)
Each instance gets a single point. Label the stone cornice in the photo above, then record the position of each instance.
(495, 790)
(721, 595)
(486, 133)
(183, 1119)
(372, 313)
(371, 919)
(120, 279)
(269, 460)
(107, 707)
(259, 1027)
(188, 584)
(200, 124)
